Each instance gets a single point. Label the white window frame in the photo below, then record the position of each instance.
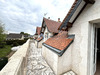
(91, 51)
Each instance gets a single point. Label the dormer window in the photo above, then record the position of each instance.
(46, 35)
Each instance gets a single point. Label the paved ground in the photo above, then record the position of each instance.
(36, 63)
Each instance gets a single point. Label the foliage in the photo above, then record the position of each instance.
(21, 32)
(2, 44)
(15, 42)
(5, 51)
(24, 33)
(3, 62)
(2, 35)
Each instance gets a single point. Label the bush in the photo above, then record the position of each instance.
(3, 62)
(18, 42)
(15, 44)
(2, 44)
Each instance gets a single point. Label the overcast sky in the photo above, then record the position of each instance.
(26, 15)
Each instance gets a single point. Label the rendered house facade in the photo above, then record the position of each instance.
(82, 55)
(38, 38)
(50, 28)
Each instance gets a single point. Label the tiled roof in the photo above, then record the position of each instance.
(14, 35)
(52, 25)
(35, 38)
(59, 41)
(75, 4)
(38, 29)
(69, 12)
(39, 39)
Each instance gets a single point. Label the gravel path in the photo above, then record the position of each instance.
(36, 64)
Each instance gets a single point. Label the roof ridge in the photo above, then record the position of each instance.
(52, 20)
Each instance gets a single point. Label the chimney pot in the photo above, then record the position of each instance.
(59, 20)
(48, 17)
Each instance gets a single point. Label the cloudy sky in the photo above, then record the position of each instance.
(25, 15)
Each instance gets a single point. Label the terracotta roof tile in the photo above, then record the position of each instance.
(68, 13)
(52, 25)
(39, 39)
(59, 41)
(38, 29)
(35, 38)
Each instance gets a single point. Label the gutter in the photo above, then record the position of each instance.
(65, 23)
(38, 40)
(90, 1)
(71, 14)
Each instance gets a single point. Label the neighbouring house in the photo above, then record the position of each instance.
(77, 46)
(50, 27)
(15, 36)
(39, 42)
(38, 37)
(26, 36)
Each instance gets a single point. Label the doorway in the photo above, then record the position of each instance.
(98, 51)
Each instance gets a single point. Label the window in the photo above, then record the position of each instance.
(46, 35)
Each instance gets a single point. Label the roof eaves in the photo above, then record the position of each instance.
(42, 24)
(90, 1)
(39, 40)
(65, 22)
(70, 15)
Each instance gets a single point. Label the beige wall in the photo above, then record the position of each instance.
(36, 43)
(58, 64)
(40, 44)
(49, 34)
(51, 58)
(81, 46)
(81, 28)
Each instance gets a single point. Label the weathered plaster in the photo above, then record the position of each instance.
(81, 29)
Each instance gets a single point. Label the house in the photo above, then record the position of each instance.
(38, 38)
(15, 36)
(39, 42)
(26, 36)
(50, 27)
(36, 35)
(79, 50)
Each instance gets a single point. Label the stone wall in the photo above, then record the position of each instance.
(17, 62)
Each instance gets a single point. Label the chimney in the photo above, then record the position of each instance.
(48, 17)
(59, 20)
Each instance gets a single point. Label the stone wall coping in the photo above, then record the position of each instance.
(15, 61)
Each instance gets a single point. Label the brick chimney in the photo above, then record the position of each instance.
(59, 20)
(48, 17)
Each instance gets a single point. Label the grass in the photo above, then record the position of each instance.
(5, 51)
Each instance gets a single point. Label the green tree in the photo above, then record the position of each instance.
(2, 35)
(22, 33)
